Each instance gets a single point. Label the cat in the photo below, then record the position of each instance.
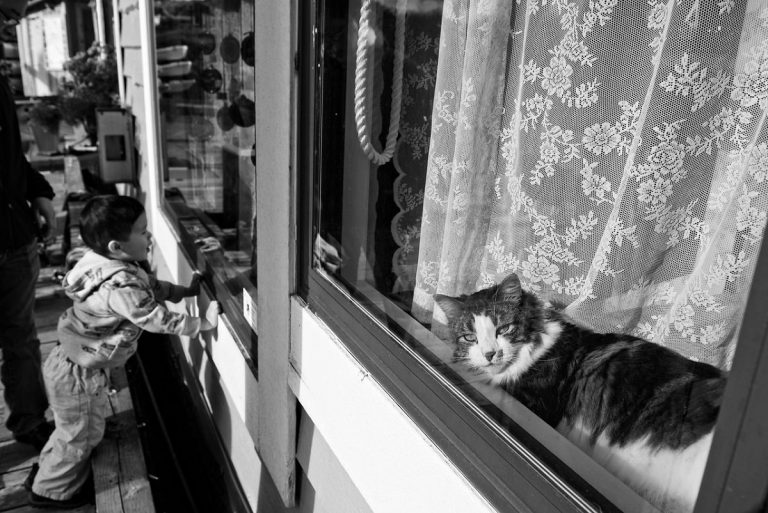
(643, 411)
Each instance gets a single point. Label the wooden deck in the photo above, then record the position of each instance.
(119, 471)
(120, 476)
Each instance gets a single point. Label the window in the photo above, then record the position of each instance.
(613, 157)
(205, 71)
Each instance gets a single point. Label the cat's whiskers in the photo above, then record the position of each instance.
(547, 360)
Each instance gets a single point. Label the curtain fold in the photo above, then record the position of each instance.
(613, 154)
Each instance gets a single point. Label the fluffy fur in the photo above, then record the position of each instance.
(643, 411)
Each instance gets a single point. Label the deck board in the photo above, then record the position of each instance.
(13, 493)
(15, 456)
(118, 463)
(29, 509)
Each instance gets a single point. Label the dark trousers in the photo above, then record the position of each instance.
(20, 371)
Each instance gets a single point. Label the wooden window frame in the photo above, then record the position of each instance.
(736, 477)
(246, 337)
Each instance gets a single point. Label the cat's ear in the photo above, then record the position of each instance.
(450, 305)
(510, 289)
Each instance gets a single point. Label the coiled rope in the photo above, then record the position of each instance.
(365, 36)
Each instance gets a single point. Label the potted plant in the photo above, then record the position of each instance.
(46, 114)
(45, 117)
(93, 84)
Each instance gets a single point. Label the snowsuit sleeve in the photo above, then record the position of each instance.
(167, 291)
(135, 302)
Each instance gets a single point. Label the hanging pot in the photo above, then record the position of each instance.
(210, 80)
(224, 119)
(247, 49)
(172, 53)
(243, 111)
(174, 69)
(176, 86)
(207, 42)
(229, 49)
(201, 129)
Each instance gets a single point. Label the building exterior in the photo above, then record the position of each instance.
(330, 383)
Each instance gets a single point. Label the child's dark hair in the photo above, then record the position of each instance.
(106, 218)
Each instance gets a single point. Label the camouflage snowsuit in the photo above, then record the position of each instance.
(113, 301)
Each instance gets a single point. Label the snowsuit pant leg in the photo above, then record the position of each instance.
(78, 399)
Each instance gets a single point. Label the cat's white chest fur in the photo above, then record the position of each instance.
(669, 479)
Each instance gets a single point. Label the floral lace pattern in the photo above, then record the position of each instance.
(410, 159)
(628, 184)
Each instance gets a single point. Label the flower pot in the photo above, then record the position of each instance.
(47, 140)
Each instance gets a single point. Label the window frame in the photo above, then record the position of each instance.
(511, 479)
(246, 337)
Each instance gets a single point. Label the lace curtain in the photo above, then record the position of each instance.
(613, 154)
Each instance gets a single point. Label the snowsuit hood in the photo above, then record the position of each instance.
(113, 302)
(90, 273)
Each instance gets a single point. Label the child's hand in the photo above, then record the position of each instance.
(194, 286)
(211, 319)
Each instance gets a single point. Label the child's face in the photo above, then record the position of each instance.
(138, 243)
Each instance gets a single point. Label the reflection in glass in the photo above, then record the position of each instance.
(601, 156)
(207, 118)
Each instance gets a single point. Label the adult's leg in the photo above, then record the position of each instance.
(79, 403)
(20, 371)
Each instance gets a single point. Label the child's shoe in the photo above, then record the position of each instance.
(81, 498)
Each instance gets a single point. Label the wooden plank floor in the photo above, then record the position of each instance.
(16, 459)
(119, 470)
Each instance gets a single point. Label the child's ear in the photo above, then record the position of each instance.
(114, 247)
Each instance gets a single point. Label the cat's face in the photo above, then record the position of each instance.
(496, 330)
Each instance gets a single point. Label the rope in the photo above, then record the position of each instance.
(362, 83)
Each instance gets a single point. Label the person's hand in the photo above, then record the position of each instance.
(194, 287)
(327, 255)
(211, 319)
(44, 207)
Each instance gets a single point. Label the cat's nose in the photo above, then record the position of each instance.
(489, 355)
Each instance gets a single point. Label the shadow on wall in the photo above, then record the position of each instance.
(194, 475)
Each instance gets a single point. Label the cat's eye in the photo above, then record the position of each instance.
(505, 330)
(469, 337)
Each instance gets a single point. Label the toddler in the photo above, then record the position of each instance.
(115, 296)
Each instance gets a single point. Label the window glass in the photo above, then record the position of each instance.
(509, 184)
(206, 84)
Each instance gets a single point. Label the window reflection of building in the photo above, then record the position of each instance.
(207, 110)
